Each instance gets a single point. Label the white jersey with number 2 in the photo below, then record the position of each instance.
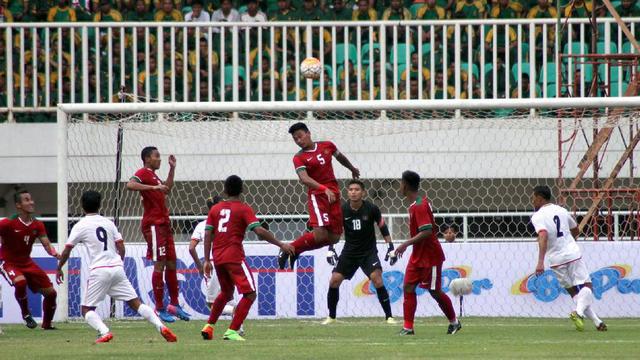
(557, 222)
(99, 235)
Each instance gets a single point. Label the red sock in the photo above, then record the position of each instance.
(158, 289)
(48, 309)
(241, 313)
(445, 305)
(171, 278)
(21, 296)
(218, 305)
(409, 305)
(306, 242)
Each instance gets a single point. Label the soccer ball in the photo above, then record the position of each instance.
(460, 286)
(311, 68)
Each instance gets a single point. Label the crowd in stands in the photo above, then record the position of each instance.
(204, 64)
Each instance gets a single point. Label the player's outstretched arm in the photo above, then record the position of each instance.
(172, 172)
(342, 159)
(542, 250)
(61, 261)
(421, 236)
(312, 184)
(48, 247)
(575, 232)
(267, 236)
(134, 185)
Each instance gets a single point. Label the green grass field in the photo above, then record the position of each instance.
(489, 338)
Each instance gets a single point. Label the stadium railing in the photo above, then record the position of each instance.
(459, 59)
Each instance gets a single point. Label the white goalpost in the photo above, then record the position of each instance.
(479, 160)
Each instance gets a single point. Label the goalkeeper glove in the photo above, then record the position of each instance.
(332, 257)
(391, 255)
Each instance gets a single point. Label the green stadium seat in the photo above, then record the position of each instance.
(401, 50)
(414, 9)
(587, 68)
(344, 50)
(616, 91)
(576, 48)
(366, 48)
(552, 73)
(601, 48)
(474, 69)
(552, 90)
(614, 73)
(525, 69)
(426, 48)
(228, 74)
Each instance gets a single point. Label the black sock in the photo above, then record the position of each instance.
(333, 295)
(383, 297)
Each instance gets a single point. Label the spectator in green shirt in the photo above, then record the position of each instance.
(139, 13)
(310, 12)
(339, 12)
(106, 13)
(396, 12)
(469, 9)
(62, 13)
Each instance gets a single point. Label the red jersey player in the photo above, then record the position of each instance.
(156, 229)
(17, 235)
(226, 226)
(425, 265)
(315, 170)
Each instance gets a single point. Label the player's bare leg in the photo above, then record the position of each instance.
(157, 282)
(242, 310)
(93, 319)
(20, 293)
(318, 238)
(48, 307)
(217, 307)
(383, 295)
(333, 296)
(171, 278)
(444, 302)
(148, 313)
(409, 306)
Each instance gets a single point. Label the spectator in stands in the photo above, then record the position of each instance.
(265, 85)
(500, 45)
(226, 13)
(197, 13)
(204, 62)
(5, 14)
(526, 88)
(396, 11)
(431, 11)
(106, 13)
(469, 9)
(293, 90)
(168, 12)
(542, 11)
(328, 89)
(578, 8)
(139, 13)
(506, 9)
(284, 12)
(253, 13)
(439, 87)
(310, 12)
(628, 8)
(339, 12)
(414, 68)
(151, 77)
(450, 232)
(62, 13)
(414, 89)
(364, 12)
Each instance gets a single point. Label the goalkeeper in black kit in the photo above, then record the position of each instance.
(360, 219)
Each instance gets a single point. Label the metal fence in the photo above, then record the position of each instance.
(49, 63)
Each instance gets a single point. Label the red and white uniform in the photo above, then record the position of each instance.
(317, 163)
(156, 226)
(229, 221)
(563, 253)
(106, 269)
(15, 253)
(425, 263)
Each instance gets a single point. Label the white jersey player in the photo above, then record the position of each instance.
(106, 269)
(557, 231)
(213, 286)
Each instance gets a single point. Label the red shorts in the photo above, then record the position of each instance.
(160, 245)
(36, 278)
(324, 214)
(429, 278)
(237, 274)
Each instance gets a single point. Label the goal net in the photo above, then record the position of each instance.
(479, 162)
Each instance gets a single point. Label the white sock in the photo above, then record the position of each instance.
(94, 320)
(228, 309)
(588, 312)
(150, 316)
(583, 300)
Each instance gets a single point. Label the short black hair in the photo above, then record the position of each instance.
(91, 201)
(17, 197)
(233, 185)
(213, 200)
(146, 152)
(356, 182)
(453, 227)
(412, 179)
(199, 2)
(298, 126)
(543, 191)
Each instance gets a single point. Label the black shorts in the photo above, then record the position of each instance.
(349, 264)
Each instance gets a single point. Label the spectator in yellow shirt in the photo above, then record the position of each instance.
(62, 13)
(106, 13)
(396, 12)
(364, 12)
(168, 12)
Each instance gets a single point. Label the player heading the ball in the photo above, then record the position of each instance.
(313, 164)
(156, 229)
(106, 268)
(557, 231)
(227, 223)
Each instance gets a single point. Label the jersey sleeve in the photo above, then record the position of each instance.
(538, 223)
(42, 231)
(74, 237)
(250, 218)
(198, 232)
(332, 147)
(114, 231)
(298, 163)
(376, 214)
(422, 218)
(210, 225)
(140, 176)
(572, 221)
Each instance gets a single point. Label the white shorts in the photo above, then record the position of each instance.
(110, 281)
(213, 288)
(572, 274)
